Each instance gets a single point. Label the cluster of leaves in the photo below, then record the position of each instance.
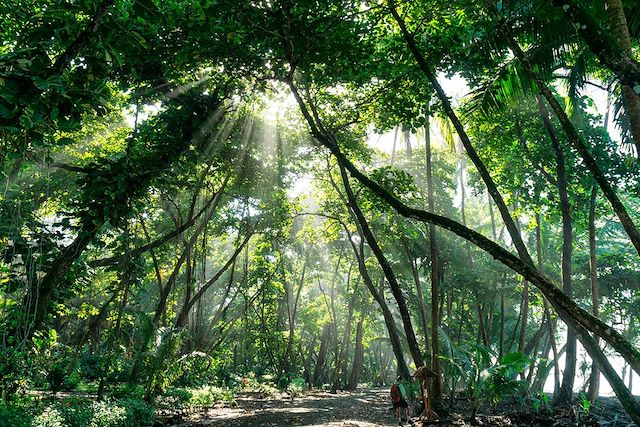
(78, 413)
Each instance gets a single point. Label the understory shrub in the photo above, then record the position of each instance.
(502, 380)
(202, 397)
(197, 369)
(79, 413)
(263, 384)
(13, 416)
(50, 417)
(296, 387)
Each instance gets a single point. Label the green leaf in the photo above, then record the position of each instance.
(139, 39)
(40, 83)
(65, 141)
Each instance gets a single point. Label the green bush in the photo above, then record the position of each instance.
(180, 395)
(208, 396)
(264, 384)
(203, 396)
(56, 376)
(138, 412)
(71, 382)
(296, 387)
(82, 413)
(91, 366)
(12, 374)
(13, 416)
(50, 417)
(197, 370)
(268, 389)
(106, 414)
(502, 380)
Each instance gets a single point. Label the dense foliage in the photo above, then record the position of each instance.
(203, 197)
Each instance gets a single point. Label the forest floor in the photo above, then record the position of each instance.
(371, 408)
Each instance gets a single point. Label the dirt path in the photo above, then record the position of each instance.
(371, 408)
(365, 408)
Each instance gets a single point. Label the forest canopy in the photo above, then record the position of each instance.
(228, 195)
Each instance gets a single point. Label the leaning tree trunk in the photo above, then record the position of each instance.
(492, 188)
(628, 401)
(386, 268)
(567, 308)
(390, 323)
(421, 305)
(378, 296)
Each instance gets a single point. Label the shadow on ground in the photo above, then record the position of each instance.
(366, 408)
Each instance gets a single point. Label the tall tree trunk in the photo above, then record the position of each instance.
(357, 358)
(547, 313)
(407, 143)
(307, 363)
(532, 347)
(421, 305)
(292, 310)
(395, 141)
(594, 378)
(319, 371)
(340, 353)
(502, 320)
(566, 389)
(523, 316)
(483, 337)
(544, 367)
(435, 277)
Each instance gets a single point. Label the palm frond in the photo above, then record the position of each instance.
(621, 119)
(575, 82)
